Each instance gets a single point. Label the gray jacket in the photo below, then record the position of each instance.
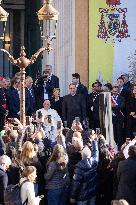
(55, 178)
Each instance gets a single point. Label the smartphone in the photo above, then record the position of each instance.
(41, 196)
(27, 120)
(77, 120)
(58, 124)
(49, 118)
(34, 116)
(65, 124)
(11, 120)
(98, 131)
(39, 114)
(15, 128)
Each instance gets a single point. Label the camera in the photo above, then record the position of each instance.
(58, 124)
(11, 120)
(98, 131)
(77, 120)
(39, 114)
(27, 120)
(15, 128)
(49, 118)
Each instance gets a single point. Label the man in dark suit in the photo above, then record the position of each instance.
(73, 105)
(93, 106)
(3, 104)
(81, 89)
(127, 84)
(30, 97)
(126, 174)
(13, 98)
(122, 89)
(45, 85)
(117, 103)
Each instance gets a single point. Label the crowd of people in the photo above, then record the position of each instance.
(59, 157)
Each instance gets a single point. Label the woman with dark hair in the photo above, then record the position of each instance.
(56, 101)
(105, 173)
(57, 177)
(27, 188)
(131, 114)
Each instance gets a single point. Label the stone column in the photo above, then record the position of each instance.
(71, 46)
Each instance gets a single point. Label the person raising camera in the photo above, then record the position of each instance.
(45, 85)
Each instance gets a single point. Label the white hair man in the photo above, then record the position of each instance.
(84, 188)
(49, 117)
(5, 162)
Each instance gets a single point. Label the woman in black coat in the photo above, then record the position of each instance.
(56, 101)
(131, 113)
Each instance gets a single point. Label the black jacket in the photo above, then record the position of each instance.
(84, 184)
(3, 101)
(13, 102)
(3, 184)
(126, 174)
(73, 106)
(30, 101)
(57, 105)
(81, 89)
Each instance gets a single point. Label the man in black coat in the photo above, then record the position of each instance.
(13, 98)
(81, 89)
(126, 174)
(93, 106)
(30, 97)
(73, 105)
(124, 92)
(3, 107)
(127, 84)
(84, 185)
(117, 103)
(45, 85)
(5, 162)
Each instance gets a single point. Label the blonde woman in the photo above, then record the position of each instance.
(57, 177)
(29, 158)
(28, 154)
(27, 189)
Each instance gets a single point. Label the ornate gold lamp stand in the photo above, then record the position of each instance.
(49, 14)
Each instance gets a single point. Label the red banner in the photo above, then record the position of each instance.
(113, 2)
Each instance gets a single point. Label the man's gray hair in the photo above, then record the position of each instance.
(4, 159)
(86, 153)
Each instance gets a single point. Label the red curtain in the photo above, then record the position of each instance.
(113, 2)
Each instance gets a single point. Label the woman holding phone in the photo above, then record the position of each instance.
(57, 177)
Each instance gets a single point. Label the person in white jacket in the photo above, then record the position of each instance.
(27, 188)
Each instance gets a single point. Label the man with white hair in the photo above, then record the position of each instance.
(49, 117)
(84, 186)
(47, 111)
(5, 162)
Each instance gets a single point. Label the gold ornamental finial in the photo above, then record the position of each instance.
(3, 14)
(47, 12)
